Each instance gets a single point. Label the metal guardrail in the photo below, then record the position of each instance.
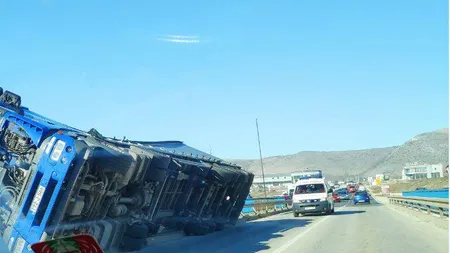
(437, 206)
(256, 206)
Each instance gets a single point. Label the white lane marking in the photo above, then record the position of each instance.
(295, 239)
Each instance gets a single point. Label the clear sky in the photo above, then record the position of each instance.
(319, 75)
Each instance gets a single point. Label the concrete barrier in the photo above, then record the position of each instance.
(440, 193)
(262, 207)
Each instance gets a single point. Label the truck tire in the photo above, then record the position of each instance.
(196, 228)
(296, 214)
(220, 226)
(137, 231)
(133, 244)
(212, 226)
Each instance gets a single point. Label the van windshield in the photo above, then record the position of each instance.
(310, 188)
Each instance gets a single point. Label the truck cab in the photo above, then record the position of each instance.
(312, 195)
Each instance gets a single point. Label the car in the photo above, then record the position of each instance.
(335, 187)
(336, 197)
(343, 194)
(286, 196)
(361, 197)
(312, 195)
(351, 188)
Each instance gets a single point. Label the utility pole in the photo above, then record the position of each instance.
(260, 158)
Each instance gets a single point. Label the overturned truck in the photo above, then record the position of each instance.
(59, 181)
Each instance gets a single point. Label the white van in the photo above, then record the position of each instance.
(312, 195)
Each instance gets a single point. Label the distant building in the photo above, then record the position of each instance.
(273, 180)
(419, 171)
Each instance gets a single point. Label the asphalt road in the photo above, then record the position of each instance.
(362, 228)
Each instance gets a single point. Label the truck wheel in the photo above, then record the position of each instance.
(212, 226)
(196, 228)
(137, 231)
(133, 244)
(296, 214)
(220, 226)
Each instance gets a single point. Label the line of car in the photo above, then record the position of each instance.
(360, 196)
(357, 194)
(314, 195)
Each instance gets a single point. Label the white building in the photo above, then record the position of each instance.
(273, 180)
(419, 171)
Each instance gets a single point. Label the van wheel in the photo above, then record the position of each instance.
(296, 214)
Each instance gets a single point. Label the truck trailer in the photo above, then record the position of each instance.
(58, 181)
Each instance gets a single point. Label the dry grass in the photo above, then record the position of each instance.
(375, 189)
(260, 194)
(429, 183)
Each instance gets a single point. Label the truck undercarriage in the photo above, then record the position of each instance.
(58, 181)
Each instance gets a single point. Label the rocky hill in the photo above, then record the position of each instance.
(429, 147)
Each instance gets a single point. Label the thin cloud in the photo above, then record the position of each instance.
(180, 39)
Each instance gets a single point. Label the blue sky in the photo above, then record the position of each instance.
(319, 75)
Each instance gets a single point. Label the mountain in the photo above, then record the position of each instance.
(429, 147)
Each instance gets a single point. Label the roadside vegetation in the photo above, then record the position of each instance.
(429, 183)
(400, 186)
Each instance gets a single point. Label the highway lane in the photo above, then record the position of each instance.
(362, 228)
(368, 229)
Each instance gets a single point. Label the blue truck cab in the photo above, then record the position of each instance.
(36, 154)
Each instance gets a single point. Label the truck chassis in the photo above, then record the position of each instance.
(59, 181)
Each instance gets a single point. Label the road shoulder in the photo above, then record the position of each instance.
(415, 215)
